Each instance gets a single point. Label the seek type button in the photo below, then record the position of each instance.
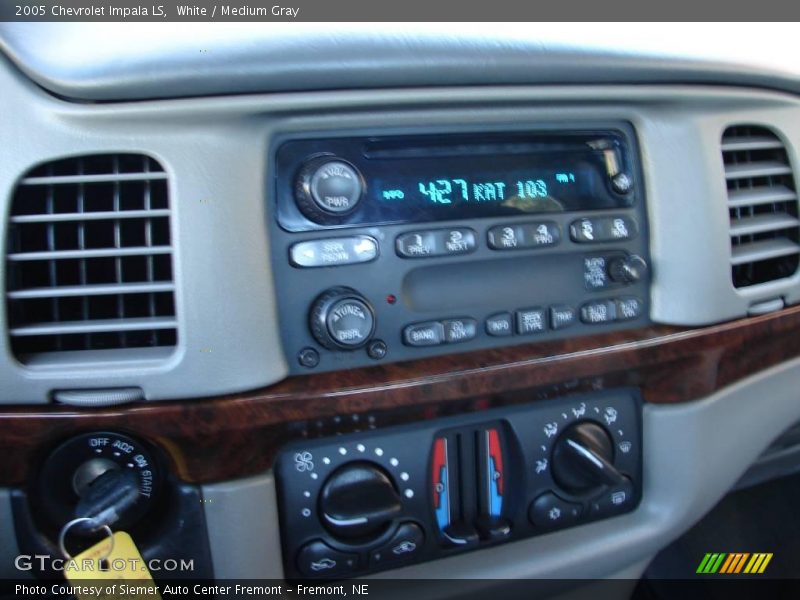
(333, 252)
(531, 320)
(424, 334)
(405, 544)
(459, 330)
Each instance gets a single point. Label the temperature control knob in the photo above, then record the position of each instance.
(327, 188)
(627, 269)
(583, 458)
(343, 319)
(359, 501)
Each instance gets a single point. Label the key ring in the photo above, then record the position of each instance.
(63, 535)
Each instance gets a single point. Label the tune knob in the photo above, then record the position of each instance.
(627, 269)
(359, 500)
(583, 458)
(328, 188)
(341, 318)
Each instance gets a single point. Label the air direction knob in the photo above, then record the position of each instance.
(583, 458)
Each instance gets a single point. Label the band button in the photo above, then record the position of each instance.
(424, 334)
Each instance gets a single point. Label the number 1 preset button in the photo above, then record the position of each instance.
(436, 242)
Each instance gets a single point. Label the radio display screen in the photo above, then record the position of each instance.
(433, 180)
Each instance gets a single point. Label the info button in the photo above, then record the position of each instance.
(500, 324)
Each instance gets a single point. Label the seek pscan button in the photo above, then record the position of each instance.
(334, 252)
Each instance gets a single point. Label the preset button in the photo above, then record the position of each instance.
(602, 229)
(436, 242)
(522, 236)
(418, 244)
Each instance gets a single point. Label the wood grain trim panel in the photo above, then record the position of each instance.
(237, 435)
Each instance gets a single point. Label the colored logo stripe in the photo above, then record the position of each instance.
(711, 563)
(734, 563)
(758, 563)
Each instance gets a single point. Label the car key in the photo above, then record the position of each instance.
(106, 500)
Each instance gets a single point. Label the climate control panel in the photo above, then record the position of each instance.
(368, 501)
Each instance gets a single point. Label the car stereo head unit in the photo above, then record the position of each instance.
(399, 247)
(376, 181)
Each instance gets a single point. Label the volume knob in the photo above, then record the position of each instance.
(341, 318)
(328, 188)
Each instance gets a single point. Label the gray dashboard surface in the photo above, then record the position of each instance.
(168, 60)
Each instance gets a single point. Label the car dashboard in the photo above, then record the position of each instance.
(384, 305)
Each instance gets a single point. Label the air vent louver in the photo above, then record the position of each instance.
(762, 202)
(89, 262)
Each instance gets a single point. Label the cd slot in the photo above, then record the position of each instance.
(433, 147)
